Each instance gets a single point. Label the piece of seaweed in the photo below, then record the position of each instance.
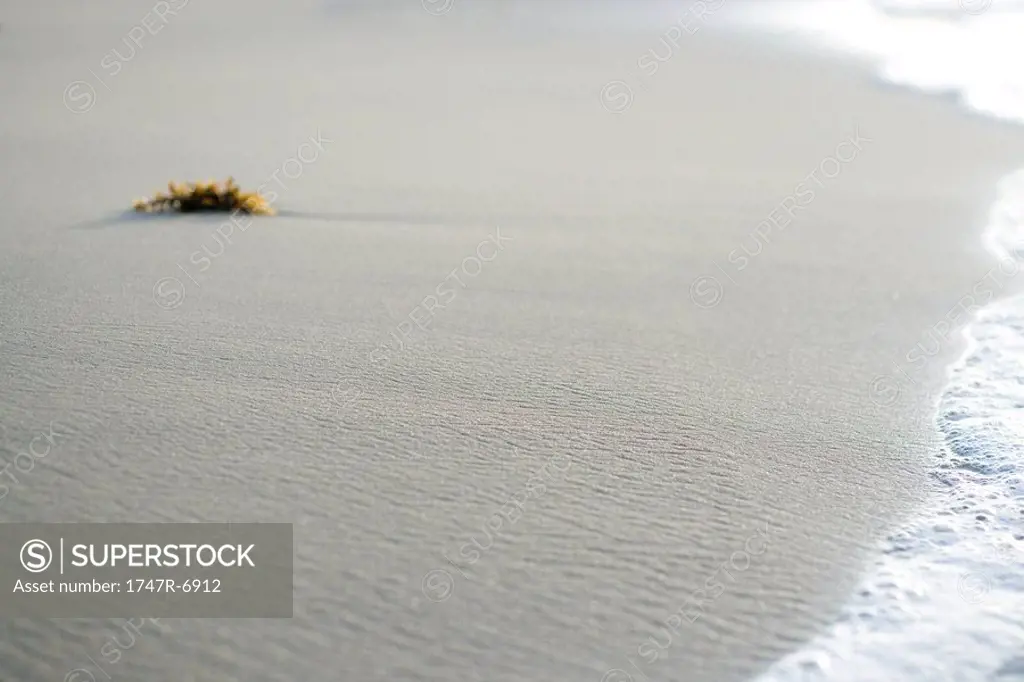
(205, 196)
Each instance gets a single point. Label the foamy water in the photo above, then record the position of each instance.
(945, 598)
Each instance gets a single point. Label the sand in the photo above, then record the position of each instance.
(676, 422)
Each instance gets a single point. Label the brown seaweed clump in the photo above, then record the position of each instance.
(205, 196)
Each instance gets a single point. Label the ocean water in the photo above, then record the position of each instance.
(945, 598)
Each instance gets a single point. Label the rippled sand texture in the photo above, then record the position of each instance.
(649, 422)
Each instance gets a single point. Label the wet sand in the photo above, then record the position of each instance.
(622, 359)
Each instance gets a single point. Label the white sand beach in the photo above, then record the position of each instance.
(669, 304)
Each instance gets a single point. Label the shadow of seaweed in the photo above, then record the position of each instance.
(130, 217)
(133, 217)
(386, 218)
